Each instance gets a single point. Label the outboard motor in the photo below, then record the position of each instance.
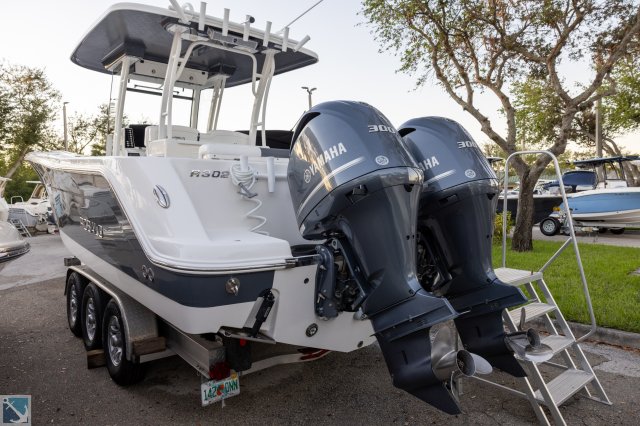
(354, 184)
(455, 225)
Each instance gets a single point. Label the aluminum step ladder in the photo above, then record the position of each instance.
(576, 374)
(17, 223)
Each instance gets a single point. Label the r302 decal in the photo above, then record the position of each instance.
(210, 173)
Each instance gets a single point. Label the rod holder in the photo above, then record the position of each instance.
(202, 16)
(225, 22)
(267, 35)
(285, 39)
(301, 43)
(271, 174)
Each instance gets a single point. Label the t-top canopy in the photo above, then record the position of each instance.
(593, 162)
(141, 31)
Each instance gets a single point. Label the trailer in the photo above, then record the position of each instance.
(132, 336)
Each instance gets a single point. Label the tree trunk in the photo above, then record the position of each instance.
(522, 232)
(16, 165)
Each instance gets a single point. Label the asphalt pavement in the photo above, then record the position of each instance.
(40, 357)
(43, 262)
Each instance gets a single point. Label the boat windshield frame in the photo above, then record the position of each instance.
(604, 166)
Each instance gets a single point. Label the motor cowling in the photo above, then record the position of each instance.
(354, 183)
(455, 225)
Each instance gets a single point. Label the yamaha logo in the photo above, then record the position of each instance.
(382, 160)
(328, 155)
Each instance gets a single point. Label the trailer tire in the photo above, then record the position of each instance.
(91, 319)
(549, 226)
(74, 290)
(617, 231)
(121, 370)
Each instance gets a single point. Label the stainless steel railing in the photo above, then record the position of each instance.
(570, 240)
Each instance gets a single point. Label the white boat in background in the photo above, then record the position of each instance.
(12, 245)
(4, 207)
(610, 204)
(35, 212)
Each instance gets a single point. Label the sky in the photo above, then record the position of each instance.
(350, 66)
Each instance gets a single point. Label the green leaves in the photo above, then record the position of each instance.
(28, 106)
(513, 50)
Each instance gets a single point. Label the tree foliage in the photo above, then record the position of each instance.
(539, 110)
(28, 105)
(89, 132)
(496, 46)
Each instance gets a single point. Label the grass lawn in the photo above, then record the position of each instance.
(615, 292)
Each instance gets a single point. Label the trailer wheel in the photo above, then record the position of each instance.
(91, 319)
(549, 226)
(75, 287)
(617, 231)
(121, 370)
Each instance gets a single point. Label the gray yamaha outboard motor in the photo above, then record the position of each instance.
(455, 223)
(354, 183)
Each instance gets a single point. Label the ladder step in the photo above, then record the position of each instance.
(565, 385)
(517, 277)
(557, 343)
(17, 223)
(532, 310)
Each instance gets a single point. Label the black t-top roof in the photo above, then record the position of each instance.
(141, 31)
(593, 162)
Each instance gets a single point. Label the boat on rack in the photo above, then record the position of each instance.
(341, 232)
(610, 204)
(35, 212)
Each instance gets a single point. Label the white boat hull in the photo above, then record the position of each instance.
(194, 246)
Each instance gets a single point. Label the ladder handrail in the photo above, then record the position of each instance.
(572, 234)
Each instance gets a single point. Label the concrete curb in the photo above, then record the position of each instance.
(609, 336)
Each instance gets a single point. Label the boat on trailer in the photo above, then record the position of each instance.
(210, 242)
(609, 204)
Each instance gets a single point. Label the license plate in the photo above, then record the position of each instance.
(217, 390)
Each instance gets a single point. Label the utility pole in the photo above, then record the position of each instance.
(64, 119)
(309, 91)
(600, 169)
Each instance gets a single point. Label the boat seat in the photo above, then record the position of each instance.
(177, 132)
(224, 137)
(227, 151)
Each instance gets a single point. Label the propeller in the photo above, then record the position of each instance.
(448, 362)
(526, 345)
